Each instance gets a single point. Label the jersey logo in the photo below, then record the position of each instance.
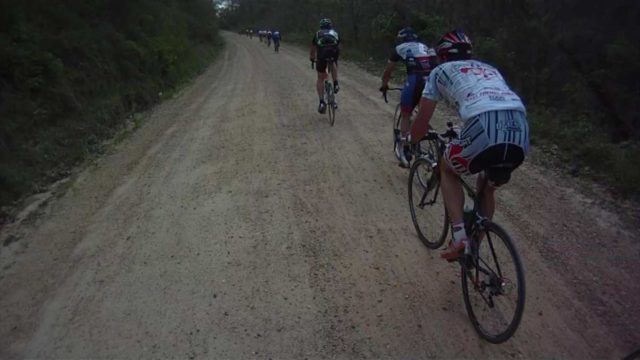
(479, 71)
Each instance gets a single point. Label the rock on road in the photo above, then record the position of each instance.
(235, 223)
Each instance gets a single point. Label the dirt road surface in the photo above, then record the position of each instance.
(236, 224)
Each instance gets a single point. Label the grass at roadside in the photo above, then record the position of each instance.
(583, 149)
(47, 153)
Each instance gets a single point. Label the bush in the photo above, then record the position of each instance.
(70, 73)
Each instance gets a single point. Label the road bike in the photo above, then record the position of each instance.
(329, 93)
(492, 275)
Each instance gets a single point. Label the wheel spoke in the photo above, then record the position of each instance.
(494, 302)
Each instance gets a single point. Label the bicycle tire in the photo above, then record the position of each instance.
(396, 118)
(331, 102)
(427, 203)
(396, 132)
(493, 232)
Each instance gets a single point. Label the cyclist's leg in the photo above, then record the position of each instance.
(451, 191)
(457, 158)
(321, 67)
(407, 103)
(335, 54)
(334, 72)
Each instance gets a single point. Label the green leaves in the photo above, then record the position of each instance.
(70, 71)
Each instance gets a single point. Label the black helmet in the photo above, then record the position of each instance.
(325, 23)
(406, 35)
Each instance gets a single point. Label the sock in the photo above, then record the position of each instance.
(459, 233)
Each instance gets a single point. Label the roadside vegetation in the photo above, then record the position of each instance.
(73, 72)
(577, 69)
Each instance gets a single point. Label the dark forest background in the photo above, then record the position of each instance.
(72, 73)
(575, 63)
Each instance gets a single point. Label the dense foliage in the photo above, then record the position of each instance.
(575, 63)
(71, 70)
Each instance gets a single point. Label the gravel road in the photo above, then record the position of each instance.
(235, 223)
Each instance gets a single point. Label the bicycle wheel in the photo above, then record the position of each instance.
(428, 213)
(331, 103)
(396, 132)
(493, 285)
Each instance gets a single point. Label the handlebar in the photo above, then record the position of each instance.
(446, 136)
(384, 93)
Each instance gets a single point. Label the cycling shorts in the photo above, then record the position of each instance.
(324, 53)
(493, 138)
(412, 92)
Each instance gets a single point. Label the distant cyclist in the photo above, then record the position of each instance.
(275, 35)
(325, 45)
(495, 136)
(269, 35)
(419, 59)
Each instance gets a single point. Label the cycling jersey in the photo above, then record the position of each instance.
(326, 42)
(326, 37)
(473, 87)
(418, 57)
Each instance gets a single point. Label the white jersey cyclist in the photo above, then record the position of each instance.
(494, 139)
(473, 87)
(417, 56)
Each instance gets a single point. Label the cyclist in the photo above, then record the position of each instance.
(495, 135)
(269, 34)
(276, 39)
(325, 45)
(419, 59)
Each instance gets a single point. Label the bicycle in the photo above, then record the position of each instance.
(486, 281)
(330, 95)
(276, 46)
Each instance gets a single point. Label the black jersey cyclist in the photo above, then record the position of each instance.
(419, 59)
(325, 45)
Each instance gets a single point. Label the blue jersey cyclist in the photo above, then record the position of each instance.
(275, 35)
(419, 59)
(325, 45)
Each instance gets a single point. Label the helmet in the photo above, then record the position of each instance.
(405, 35)
(455, 43)
(325, 23)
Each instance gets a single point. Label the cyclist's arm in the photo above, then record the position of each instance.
(421, 124)
(386, 75)
(312, 52)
